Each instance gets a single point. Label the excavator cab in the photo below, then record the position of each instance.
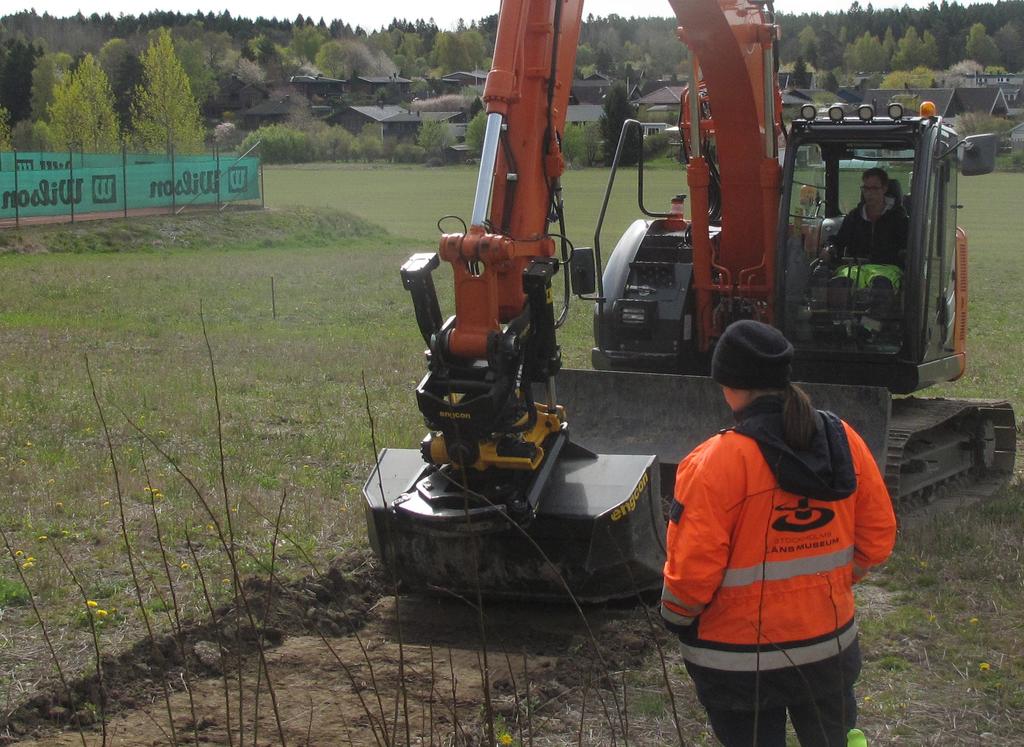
(852, 318)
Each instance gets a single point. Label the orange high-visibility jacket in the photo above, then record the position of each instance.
(768, 573)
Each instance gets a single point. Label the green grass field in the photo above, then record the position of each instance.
(292, 387)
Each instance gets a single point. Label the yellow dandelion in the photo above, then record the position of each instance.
(225, 580)
(973, 621)
(984, 666)
(931, 618)
(183, 565)
(91, 603)
(27, 564)
(59, 504)
(42, 537)
(505, 739)
(50, 481)
(106, 503)
(101, 613)
(30, 559)
(148, 489)
(18, 553)
(28, 444)
(867, 698)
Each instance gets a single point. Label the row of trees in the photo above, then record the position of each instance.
(209, 46)
(863, 38)
(78, 109)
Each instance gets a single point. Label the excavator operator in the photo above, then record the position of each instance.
(875, 230)
(773, 522)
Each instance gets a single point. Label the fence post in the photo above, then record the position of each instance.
(263, 191)
(17, 209)
(174, 191)
(71, 180)
(216, 156)
(124, 176)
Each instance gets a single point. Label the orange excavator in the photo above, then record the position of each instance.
(523, 489)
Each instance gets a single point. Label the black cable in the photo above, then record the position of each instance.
(450, 217)
(567, 248)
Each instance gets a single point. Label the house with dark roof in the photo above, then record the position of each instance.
(235, 95)
(591, 89)
(380, 88)
(272, 111)
(1017, 137)
(395, 122)
(949, 102)
(664, 99)
(989, 100)
(795, 98)
(462, 79)
(945, 100)
(318, 87)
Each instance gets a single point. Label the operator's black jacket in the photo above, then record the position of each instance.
(881, 242)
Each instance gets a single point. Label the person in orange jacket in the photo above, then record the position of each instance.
(773, 522)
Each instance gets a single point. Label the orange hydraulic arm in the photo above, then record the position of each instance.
(526, 97)
(477, 397)
(735, 41)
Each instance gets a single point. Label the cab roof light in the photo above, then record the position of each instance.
(836, 113)
(928, 109)
(809, 112)
(865, 112)
(895, 111)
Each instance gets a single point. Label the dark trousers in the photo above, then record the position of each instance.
(820, 723)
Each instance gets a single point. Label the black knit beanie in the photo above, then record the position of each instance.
(752, 355)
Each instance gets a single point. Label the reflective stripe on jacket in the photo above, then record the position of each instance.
(766, 573)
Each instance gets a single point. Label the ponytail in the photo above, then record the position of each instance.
(799, 419)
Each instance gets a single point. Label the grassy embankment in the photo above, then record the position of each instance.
(295, 420)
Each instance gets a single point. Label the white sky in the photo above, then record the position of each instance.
(372, 14)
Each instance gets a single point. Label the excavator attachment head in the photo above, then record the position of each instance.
(590, 525)
(596, 532)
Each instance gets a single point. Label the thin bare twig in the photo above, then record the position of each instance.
(102, 705)
(214, 619)
(128, 549)
(46, 636)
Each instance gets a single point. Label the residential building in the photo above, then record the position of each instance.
(461, 79)
(384, 89)
(272, 111)
(394, 122)
(318, 87)
(590, 90)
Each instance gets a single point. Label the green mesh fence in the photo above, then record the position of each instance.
(46, 184)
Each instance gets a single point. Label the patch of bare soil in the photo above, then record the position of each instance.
(348, 663)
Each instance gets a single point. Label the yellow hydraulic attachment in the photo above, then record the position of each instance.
(523, 453)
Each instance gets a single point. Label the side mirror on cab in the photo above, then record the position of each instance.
(582, 271)
(977, 154)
